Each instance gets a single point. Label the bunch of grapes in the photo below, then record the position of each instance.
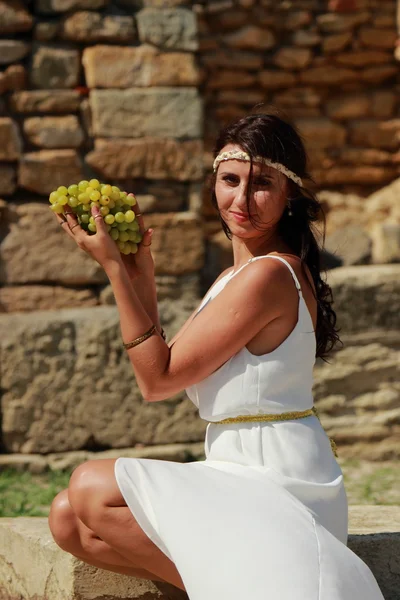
(115, 207)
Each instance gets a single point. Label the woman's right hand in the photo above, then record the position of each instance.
(140, 264)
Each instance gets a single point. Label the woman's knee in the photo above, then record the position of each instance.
(62, 521)
(85, 490)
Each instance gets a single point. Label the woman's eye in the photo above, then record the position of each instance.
(230, 178)
(261, 182)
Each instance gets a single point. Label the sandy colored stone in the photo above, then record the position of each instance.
(383, 205)
(377, 38)
(142, 66)
(272, 80)
(46, 31)
(44, 101)
(89, 27)
(306, 39)
(59, 6)
(11, 143)
(362, 58)
(14, 18)
(13, 78)
(293, 58)
(250, 37)
(327, 75)
(12, 51)
(149, 158)
(351, 106)
(44, 171)
(33, 233)
(378, 74)
(173, 28)
(248, 97)
(299, 97)
(54, 132)
(228, 79)
(321, 132)
(352, 244)
(7, 180)
(386, 243)
(232, 59)
(162, 112)
(354, 174)
(337, 42)
(55, 67)
(383, 103)
(26, 298)
(297, 19)
(337, 22)
(366, 156)
(375, 133)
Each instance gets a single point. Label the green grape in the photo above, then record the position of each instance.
(131, 235)
(130, 216)
(73, 190)
(84, 198)
(57, 208)
(120, 217)
(130, 200)
(73, 202)
(106, 190)
(53, 198)
(82, 185)
(92, 227)
(137, 238)
(89, 190)
(134, 226)
(108, 227)
(104, 210)
(105, 200)
(84, 219)
(95, 195)
(111, 204)
(126, 249)
(122, 197)
(121, 245)
(114, 195)
(122, 226)
(115, 189)
(62, 190)
(109, 219)
(114, 233)
(134, 247)
(63, 200)
(86, 207)
(123, 236)
(94, 183)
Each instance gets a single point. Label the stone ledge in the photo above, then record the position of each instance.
(32, 567)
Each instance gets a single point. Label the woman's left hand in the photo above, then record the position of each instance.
(99, 246)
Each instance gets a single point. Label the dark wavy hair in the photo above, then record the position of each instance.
(269, 136)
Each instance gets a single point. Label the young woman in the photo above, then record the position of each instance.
(265, 515)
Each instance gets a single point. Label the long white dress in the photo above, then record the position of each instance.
(264, 516)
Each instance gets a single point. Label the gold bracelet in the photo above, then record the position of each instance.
(140, 339)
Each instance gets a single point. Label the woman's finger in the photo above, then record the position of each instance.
(75, 229)
(136, 210)
(62, 221)
(100, 225)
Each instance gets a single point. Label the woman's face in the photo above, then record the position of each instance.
(267, 200)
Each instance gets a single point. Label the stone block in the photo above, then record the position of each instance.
(375, 133)
(337, 42)
(321, 132)
(351, 106)
(383, 104)
(232, 59)
(354, 175)
(47, 31)
(90, 27)
(327, 75)
(365, 156)
(173, 29)
(274, 80)
(228, 79)
(250, 37)
(14, 18)
(55, 67)
(336, 22)
(386, 243)
(378, 74)
(297, 19)
(149, 158)
(11, 143)
(44, 101)
(27, 298)
(36, 250)
(50, 7)
(351, 244)
(377, 38)
(230, 20)
(7, 180)
(13, 78)
(12, 51)
(248, 97)
(383, 205)
(44, 171)
(142, 66)
(362, 58)
(298, 97)
(54, 132)
(293, 58)
(306, 39)
(161, 112)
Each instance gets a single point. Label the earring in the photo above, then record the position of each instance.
(290, 213)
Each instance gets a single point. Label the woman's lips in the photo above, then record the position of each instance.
(240, 217)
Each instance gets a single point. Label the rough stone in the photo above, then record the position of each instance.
(297, 19)
(383, 205)
(379, 74)
(24, 298)
(366, 156)
(336, 43)
(321, 132)
(386, 243)
(273, 80)
(11, 143)
(22, 250)
(375, 134)
(302, 97)
(293, 58)
(89, 27)
(377, 38)
(54, 132)
(13, 78)
(60, 6)
(351, 244)
(44, 171)
(335, 22)
(246, 97)
(149, 158)
(250, 37)
(12, 51)
(228, 79)
(383, 104)
(175, 28)
(44, 101)
(55, 67)
(14, 18)
(144, 66)
(306, 39)
(362, 58)
(47, 31)
(229, 20)
(354, 175)
(232, 59)
(7, 180)
(351, 106)
(162, 112)
(327, 75)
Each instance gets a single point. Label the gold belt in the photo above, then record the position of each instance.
(286, 416)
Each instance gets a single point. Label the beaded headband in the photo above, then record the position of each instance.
(241, 155)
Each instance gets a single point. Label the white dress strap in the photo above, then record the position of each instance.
(298, 286)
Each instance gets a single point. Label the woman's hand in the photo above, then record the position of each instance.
(141, 263)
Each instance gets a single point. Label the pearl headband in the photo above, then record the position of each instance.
(241, 155)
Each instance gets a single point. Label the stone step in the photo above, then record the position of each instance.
(32, 567)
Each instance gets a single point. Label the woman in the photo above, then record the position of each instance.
(265, 515)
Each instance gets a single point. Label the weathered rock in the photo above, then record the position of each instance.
(54, 132)
(231, 59)
(44, 101)
(89, 27)
(327, 75)
(13, 78)
(383, 205)
(336, 43)
(335, 22)
(44, 171)
(7, 181)
(276, 79)
(143, 66)
(296, 19)
(377, 38)
(55, 67)
(362, 58)
(230, 20)
(360, 174)
(293, 58)
(26, 298)
(375, 134)
(163, 112)
(321, 132)
(386, 243)
(175, 28)
(14, 18)
(34, 234)
(228, 79)
(12, 51)
(302, 97)
(250, 37)
(47, 31)
(383, 104)
(351, 106)
(366, 156)
(352, 244)
(306, 39)
(59, 6)
(149, 158)
(246, 97)
(377, 75)
(11, 143)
